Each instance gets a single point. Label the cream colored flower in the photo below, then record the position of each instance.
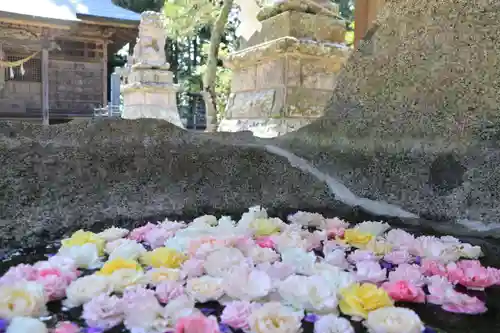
(219, 262)
(126, 277)
(275, 318)
(469, 251)
(206, 219)
(85, 256)
(157, 275)
(85, 288)
(245, 283)
(182, 306)
(336, 277)
(394, 320)
(373, 228)
(311, 293)
(261, 255)
(22, 299)
(302, 261)
(129, 249)
(333, 324)
(25, 325)
(205, 288)
(290, 238)
(307, 219)
(113, 233)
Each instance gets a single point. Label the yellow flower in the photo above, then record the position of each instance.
(357, 238)
(379, 247)
(114, 265)
(158, 275)
(163, 257)
(22, 299)
(82, 237)
(265, 227)
(358, 300)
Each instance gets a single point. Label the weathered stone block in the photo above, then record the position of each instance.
(244, 79)
(270, 74)
(318, 75)
(307, 103)
(262, 103)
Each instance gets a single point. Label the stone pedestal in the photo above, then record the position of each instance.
(285, 75)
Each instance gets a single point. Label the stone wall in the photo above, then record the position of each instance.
(75, 86)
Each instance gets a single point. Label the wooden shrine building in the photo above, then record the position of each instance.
(54, 56)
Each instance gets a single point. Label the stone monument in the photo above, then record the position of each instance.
(284, 76)
(150, 91)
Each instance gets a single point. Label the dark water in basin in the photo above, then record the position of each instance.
(433, 316)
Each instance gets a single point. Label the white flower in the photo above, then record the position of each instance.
(275, 318)
(219, 262)
(85, 256)
(254, 213)
(333, 324)
(113, 233)
(307, 219)
(124, 278)
(394, 320)
(172, 226)
(336, 223)
(145, 315)
(400, 239)
(260, 255)
(433, 248)
(311, 293)
(247, 284)
(335, 276)
(408, 272)
(277, 271)
(302, 261)
(370, 271)
(469, 251)
(178, 242)
(290, 238)
(205, 288)
(157, 275)
(22, 299)
(26, 324)
(179, 307)
(85, 288)
(330, 246)
(129, 249)
(206, 219)
(372, 228)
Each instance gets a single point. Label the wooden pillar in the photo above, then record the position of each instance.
(45, 79)
(105, 74)
(365, 12)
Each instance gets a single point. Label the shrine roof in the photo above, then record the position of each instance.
(69, 10)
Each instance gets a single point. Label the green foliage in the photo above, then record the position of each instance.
(349, 35)
(186, 17)
(139, 6)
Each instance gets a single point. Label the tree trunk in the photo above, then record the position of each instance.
(211, 72)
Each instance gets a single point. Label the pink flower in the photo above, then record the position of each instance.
(202, 246)
(431, 267)
(277, 270)
(370, 271)
(19, 272)
(138, 234)
(333, 233)
(169, 290)
(103, 312)
(193, 268)
(197, 324)
(54, 283)
(404, 291)
(409, 273)
(398, 257)
(400, 239)
(495, 274)
(265, 242)
(314, 239)
(156, 237)
(66, 327)
(236, 314)
(470, 274)
(362, 255)
(438, 287)
(462, 303)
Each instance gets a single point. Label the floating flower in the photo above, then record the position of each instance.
(112, 234)
(85, 288)
(265, 242)
(201, 247)
(118, 264)
(157, 237)
(84, 256)
(362, 255)
(394, 320)
(82, 237)
(128, 249)
(370, 271)
(335, 277)
(169, 290)
(179, 307)
(461, 303)
(236, 314)
(373, 228)
(22, 299)
(163, 257)
(155, 276)
(142, 311)
(219, 262)
(26, 324)
(205, 288)
(470, 274)
(67, 327)
(260, 255)
(124, 278)
(400, 239)
(333, 324)
(302, 261)
(266, 226)
(54, 282)
(337, 258)
(404, 291)
(438, 287)
(434, 248)
(409, 273)
(307, 219)
(275, 318)
(197, 324)
(357, 238)
(19, 273)
(277, 270)
(358, 300)
(311, 293)
(211, 220)
(138, 234)
(290, 238)
(379, 246)
(430, 267)
(470, 252)
(247, 284)
(398, 257)
(103, 311)
(193, 268)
